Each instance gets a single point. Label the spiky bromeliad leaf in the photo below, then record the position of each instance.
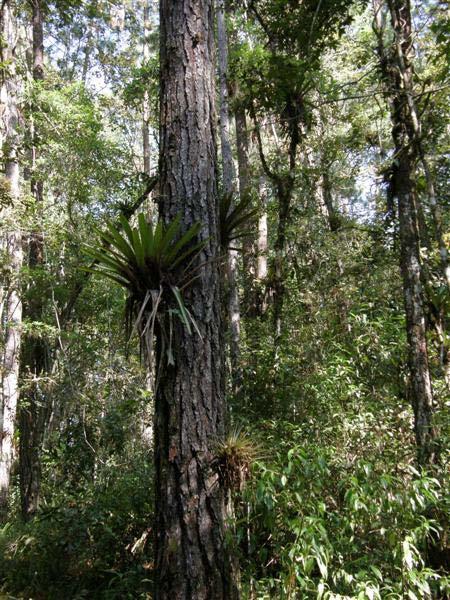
(145, 254)
(232, 218)
(173, 252)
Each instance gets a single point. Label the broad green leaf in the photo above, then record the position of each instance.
(146, 231)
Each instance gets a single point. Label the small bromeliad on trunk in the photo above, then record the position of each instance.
(234, 458)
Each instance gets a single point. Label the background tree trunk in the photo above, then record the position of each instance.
(35, 405)
(422, 396)
(261, 271)
(11, 301)
(229, 187)
(242, 147)
(191, 558)
(146, 103)
(398, 82)
(332, 213)
(284, 185)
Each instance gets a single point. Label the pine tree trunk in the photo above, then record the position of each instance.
(191, 558)
(11, 317)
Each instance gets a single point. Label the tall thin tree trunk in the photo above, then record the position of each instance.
(146, 149)
(422, 396)
(146, 102)
(284, 195)
(34, 407)
(404, 53)
(242, 147)
(398, 85)
(191, 558)
(332, 213)
(225, 139)
(229, 187)
(400, 11)
(284, 185)
(261, 271)
(245, 187)
(10, 366)
(255, 245)
(12, 243)
(87, 53)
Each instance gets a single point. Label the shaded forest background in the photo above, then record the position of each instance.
(338, 489)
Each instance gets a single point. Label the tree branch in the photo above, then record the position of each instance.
(271, 174)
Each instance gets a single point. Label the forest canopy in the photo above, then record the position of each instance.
(224, 299)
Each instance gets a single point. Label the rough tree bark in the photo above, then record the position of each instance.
(35, 356)
(191, 557)
(11, 245)
(398, 84)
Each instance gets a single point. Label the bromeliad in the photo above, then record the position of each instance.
(154, 264)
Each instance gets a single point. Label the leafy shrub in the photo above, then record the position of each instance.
(93, 543)
(321, 526)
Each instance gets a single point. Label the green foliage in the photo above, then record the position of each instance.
(86, 159)
(5, 193)
(326, 525)
(306, 26)
(144, 79)
(144, 258)
(88, 542)
(336, 509)
(282, 67)
(92, 535)
(332, 506)
(441, 29)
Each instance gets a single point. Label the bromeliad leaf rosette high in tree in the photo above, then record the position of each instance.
(154, 264)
